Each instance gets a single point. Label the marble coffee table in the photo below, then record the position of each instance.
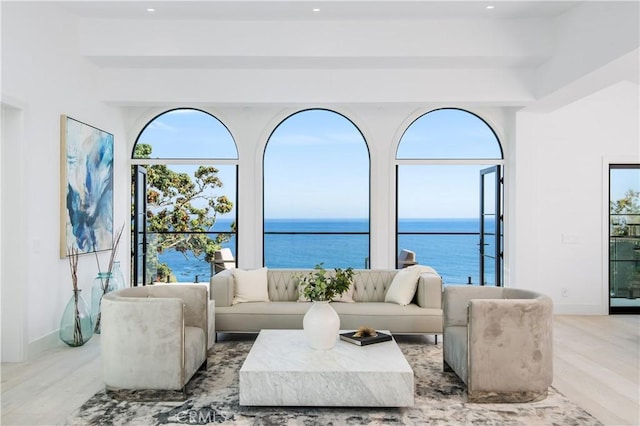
(282, 370)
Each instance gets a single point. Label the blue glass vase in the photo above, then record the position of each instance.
(76, 326)
(117, 276)
(102, 285)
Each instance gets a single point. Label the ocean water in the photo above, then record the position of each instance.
(455, 257)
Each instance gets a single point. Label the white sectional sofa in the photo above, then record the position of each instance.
(423, 315)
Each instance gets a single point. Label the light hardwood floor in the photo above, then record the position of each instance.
(597, 365)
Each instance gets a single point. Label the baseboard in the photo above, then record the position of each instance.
(579, 310)
(44, 343)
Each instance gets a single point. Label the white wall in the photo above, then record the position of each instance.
(558, 239)
(589, 37)
(46, 77)
(12, 208)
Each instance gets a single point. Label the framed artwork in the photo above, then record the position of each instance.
(86, 187)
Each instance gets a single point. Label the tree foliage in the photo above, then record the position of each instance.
(625, 210)
(182, 209)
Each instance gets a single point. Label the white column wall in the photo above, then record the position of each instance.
(558, 239)
(12, 206)
(43, 73)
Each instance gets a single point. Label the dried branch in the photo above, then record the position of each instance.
(72, 255)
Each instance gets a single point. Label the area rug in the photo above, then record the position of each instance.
(440, 399)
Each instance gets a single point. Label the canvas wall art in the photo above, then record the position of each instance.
(86, 177)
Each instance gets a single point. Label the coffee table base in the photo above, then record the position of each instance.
(282, 370)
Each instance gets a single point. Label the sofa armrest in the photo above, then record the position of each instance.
(222, 288)
(510, 345)
(456, 298)
(429, 291)
(142, 343)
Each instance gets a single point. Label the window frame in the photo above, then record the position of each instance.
(264, 152)
(145, 162)
(482, 162)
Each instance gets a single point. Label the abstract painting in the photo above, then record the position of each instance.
(86, 178)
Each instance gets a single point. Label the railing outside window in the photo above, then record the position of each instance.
(453, 254)
(304, 243)
(185, 267)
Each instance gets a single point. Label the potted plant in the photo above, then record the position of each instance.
(319, 286)
(321, 323)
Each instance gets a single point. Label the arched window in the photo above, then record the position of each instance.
(316, 193)
(185, 190)
(442, 159)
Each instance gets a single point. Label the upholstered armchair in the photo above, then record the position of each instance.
(153, 337)
(499, 342)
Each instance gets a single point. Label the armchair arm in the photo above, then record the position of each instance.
(456, 298)
(510, 345)
(429, 291)
(194, 298)
(222, 288)
(142, 343)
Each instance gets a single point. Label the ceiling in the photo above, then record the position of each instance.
(330, 10)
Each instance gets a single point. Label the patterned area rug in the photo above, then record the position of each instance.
(440, 399)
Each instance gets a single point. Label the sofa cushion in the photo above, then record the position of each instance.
(403, 287)
(370, 285)
(256, 316)
(251, 286)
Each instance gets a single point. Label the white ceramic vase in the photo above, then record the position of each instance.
(321, 325)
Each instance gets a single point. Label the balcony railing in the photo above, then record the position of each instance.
(455, 255)
(185, 267)
(305, 249)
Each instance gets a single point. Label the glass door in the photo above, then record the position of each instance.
(624, 239)
(490, 227)
(139, 246)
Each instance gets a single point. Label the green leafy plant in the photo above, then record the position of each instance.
(182, 211)
(319, 285)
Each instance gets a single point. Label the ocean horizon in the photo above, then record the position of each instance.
(452, 248)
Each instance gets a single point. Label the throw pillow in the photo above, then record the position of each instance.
(403, 287)
(251, 286)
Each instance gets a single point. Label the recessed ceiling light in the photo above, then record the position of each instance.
(491, 7)
(150, 10)
(315, 9)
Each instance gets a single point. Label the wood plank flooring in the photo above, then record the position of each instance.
(597, 365)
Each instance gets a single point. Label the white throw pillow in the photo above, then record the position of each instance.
(403, 287)
(251, 286)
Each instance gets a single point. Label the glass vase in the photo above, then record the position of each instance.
(76, 326)
(118, 277)
(102, 284)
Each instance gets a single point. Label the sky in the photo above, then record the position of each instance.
(316, 163)
(622, 180)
